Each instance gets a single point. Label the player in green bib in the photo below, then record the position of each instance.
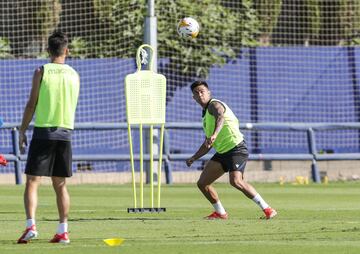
(222, 132)
(53, 100)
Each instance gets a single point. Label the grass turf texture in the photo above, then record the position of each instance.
(311, 219)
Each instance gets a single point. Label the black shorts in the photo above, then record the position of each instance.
(49, 158)
(233, 160)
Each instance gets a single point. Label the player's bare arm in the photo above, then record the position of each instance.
(30, 108)
(217, 110)
(203, 149)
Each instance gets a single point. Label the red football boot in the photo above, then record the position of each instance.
(217, 216)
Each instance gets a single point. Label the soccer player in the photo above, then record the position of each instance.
(222, 132)
(53, 99)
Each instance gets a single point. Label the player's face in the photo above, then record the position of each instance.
(201, 95)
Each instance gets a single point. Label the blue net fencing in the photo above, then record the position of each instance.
(265, 84)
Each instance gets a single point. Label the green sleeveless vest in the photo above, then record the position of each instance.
(58, 96)
(229, 136)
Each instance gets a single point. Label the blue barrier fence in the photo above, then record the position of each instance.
(312, 154)
(264, 84)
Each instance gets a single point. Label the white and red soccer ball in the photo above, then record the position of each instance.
(188, 28)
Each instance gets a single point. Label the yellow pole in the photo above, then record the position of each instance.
(151, 171)
(159, 164)
(141, 167)
(132, 165)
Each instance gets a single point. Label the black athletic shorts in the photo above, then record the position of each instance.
(49, 158)
(233, 160)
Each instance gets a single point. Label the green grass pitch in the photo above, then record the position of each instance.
(311, 219)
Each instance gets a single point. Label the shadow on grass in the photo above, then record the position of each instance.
(116, 219)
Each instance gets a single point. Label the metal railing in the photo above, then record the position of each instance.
(312, 154)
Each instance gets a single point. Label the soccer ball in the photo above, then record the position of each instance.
(188, 28)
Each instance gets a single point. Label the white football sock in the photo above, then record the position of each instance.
(219, 208)
(62, 228)
(260, 202)
(30, 222)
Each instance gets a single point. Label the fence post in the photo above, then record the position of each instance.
(355, 83)
(254, 99)
(16, 151)
(312, 149)
(167, 164)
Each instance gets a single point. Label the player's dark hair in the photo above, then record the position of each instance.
(198, 83)
(57, 42)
